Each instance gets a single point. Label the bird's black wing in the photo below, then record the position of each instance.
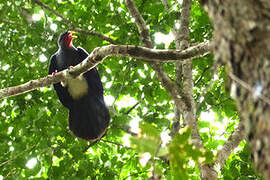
(89, 117)
(62, 92)
(52, 67)
(92, 76)
(83, 54)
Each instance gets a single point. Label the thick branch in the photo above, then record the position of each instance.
(183, 73)
(99, 54)
(142, 53)
(178, 74)
(31, 85)
(170, 86)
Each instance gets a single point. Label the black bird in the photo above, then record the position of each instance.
(83, 96)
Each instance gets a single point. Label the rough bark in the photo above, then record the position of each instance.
(99, 54)
(184, 80)
(241, 41)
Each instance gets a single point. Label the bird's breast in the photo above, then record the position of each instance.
(77, 87)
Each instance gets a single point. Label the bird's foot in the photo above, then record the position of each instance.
(54, 73)
(64, 83)
(70, 72)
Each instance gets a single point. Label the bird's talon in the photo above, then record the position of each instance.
(64, 83)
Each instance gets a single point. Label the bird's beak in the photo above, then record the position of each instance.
(73, 36)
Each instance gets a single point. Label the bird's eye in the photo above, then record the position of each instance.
(63, 37)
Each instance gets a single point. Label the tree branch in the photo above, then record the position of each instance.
(31, 85)
(210, 171)
(69, 23)
(183, 73)
(144, 32)
(200, 78)
(178, 76)
(93, 33)
(236, 137)
(44, 6)
(170, 86)
(115, 143)
(99, 54)
(133, 107)
(11, 22)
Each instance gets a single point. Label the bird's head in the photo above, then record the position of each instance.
(65, 39)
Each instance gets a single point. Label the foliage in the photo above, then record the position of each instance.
(34, 125)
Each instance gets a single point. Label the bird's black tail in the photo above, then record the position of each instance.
(89, 117)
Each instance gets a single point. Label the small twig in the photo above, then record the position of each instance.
(115, 143)
(214, 70)
(133, 174)
(69, 23)
(11, 22)
(121, 168)
(133, 107)
(93, 33)
(126, 129)
(91, 144)
(228, 127)
(19, 154)
(166, 4)
(44, 6)
(125, 78)
(173, 29)
(10, 172)
(204, 71)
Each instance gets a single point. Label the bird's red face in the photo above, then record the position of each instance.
(66, 38)
(70, 37)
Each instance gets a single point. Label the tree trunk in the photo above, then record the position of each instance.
(242, 42)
